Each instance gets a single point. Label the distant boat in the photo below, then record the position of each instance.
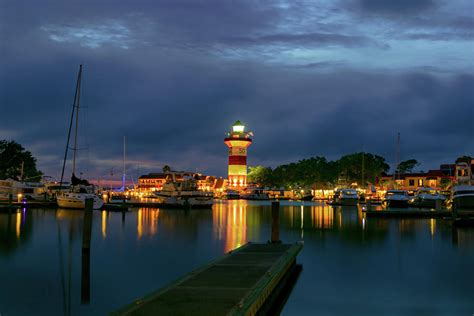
(345, 197)
(463, 197)
(396, 198)
(428, 198)
(231, 195)
(254, 193)
(17, 190)
(80, 189)
(183, 194)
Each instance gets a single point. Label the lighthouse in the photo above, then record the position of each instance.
(238, 140)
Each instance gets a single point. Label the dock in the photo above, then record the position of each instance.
(239, 283)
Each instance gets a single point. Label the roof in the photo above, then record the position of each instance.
(237, 123)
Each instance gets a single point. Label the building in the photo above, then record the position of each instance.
(464, 172)
(155, 181)
(436, 179)
(238, 141)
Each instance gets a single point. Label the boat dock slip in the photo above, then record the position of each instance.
(238, 283)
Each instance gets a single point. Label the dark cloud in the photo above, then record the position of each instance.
(162, 74)
(396, 7)
(306, 39)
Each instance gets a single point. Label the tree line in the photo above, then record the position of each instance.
(318, 172)
(17, 163)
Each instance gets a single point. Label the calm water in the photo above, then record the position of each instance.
(351, 265)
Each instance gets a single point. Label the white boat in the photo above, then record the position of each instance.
(396, 198)
(427, 197)
(462, 197)
(77, 198)
(183, 194)
(20, 191)
(345, 197)
(80, 189)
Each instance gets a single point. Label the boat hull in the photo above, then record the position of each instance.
(185, 202)
(345, 201)
(396, 203)
(426, 203)
(464, 202)
(78, 202)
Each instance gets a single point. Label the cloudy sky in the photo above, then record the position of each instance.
(307, 77)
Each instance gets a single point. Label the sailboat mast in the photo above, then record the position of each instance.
(70, 127)
(123, 176)
(77, 119)
(397, 157)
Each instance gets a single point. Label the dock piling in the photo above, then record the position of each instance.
(86, 250)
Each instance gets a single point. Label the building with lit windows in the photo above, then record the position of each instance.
(238, 140)
(155, 181)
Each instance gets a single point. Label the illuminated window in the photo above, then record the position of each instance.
(420, 182)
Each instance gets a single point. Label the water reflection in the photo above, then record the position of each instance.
(230, 224)
(147, 222)
(322, 217)
(168, 243)
(15, 230)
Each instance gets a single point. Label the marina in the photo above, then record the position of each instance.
(236, 158)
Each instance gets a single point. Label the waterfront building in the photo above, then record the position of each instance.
(154, 181)
(238, 141)
(464, 172)
(414, 181)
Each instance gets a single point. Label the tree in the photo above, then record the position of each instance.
(349, 167)
(166, 169)
(407, 166)
(260, 174)
(14, 158)
(466, 159)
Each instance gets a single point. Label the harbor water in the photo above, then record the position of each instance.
(352, 265)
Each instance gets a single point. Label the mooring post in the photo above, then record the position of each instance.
(276, 222)
(86, 250)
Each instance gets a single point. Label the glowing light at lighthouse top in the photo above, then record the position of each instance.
(238, 131)
(238, 127)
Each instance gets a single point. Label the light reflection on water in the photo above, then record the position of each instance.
(351, 264)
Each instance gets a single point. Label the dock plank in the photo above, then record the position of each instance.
(236, 284)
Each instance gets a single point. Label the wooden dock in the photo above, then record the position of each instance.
(239, 283)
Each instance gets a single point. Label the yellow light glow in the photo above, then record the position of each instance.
(104, 224)
(237, 170)
(139, 224)
(18, 224)
(238, 128)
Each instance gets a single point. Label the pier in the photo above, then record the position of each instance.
(239, 283)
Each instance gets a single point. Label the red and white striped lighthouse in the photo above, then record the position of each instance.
(238, 141)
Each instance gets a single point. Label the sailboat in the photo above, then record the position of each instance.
(80, 189)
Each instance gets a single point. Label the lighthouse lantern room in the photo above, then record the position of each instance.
(238, 140)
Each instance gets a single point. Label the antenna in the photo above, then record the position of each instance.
(123, 176)
(363, 166)
(397, 157)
